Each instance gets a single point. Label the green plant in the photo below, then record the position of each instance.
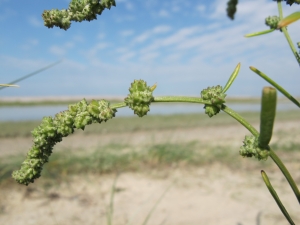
(12, 84)
(81, 114)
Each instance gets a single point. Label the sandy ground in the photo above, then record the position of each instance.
(214, 194)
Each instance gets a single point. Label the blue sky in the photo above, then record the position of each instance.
(183, 46)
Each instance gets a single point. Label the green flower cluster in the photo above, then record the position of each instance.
(272, 21)
(231, 8)
(216, 96)
(52, 130)
(290, 2)
(140, 97)
(78, 11)
(250, 148)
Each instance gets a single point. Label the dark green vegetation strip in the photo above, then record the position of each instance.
(161, 122)
(67, 102)
(121, 158)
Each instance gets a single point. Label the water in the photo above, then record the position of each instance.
(22, 113)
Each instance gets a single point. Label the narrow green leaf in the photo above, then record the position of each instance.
(286, 173)
(259, 33)
(277, 86)
(288, 20)
(276, 198)
(111, 202)
(267, 116)
(232, 77)
(31, 74)
(8, 85)
(155, 205)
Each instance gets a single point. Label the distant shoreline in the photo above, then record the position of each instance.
(56, 98)
(59, 100)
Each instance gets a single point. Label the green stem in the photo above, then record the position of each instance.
(225, 108)
(289, 40)
(286, 34)
(118, 105)
(181, 99)
(277, 86)
(279, 6)
(276, 198)
(240, 119)
(286, 173)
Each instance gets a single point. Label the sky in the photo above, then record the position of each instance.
(182, 46)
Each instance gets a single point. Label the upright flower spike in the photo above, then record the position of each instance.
(216, 96)
(140, 97)
(267, 116)
(51, 131)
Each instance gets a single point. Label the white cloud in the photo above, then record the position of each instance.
(93, 51)
(57, 50)
(30, 44)
(101, 35)
(161, 29)
(126, 33)
(149, 56)
(127, 56)
(7, 13)
(163, 13)
(151, 33)
(35, 22)
(128, 5)
(201, 8)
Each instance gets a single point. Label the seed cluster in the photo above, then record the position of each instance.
(216, 97)
(52, 130)
(78, 11)
(251, 148)
(231, 8)
(272, 21)
(139, 98)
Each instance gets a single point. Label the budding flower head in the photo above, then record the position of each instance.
(140, 97)
(250, 148)
(216, 96)
(272, 21)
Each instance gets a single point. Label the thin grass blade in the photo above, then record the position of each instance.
(288, 20)
(277, 86)
(111, 202)
(232, 77)
(259, 33)
(9, 85)
(155, 205)
(31, 74)
(276, 198)
(286, 173)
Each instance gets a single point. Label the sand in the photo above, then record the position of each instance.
(212, 194)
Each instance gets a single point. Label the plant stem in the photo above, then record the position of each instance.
(286, 173)
(286, 34)
(240, 119)
(279, 6)
(181, 99)
(276, 198)
(288, 38)
(118, 105)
